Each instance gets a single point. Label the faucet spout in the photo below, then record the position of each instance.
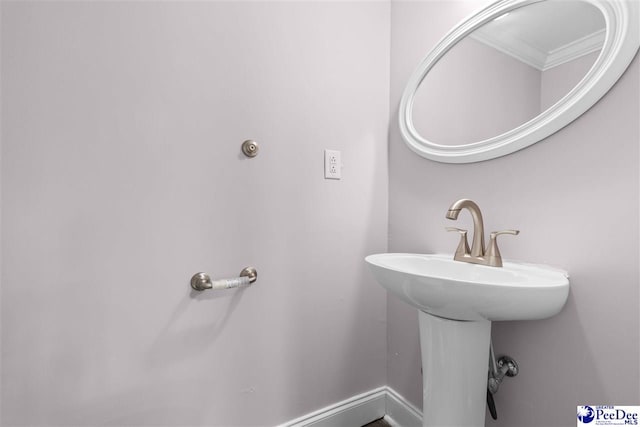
(477, 245)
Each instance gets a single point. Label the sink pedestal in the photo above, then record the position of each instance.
(455, 360)
(455, 353)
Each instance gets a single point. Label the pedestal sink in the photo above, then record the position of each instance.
(457, 303)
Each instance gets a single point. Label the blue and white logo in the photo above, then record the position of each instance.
(597, 415)
(586, 414)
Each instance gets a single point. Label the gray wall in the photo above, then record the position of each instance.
(556, 82)
(575, 198)
(495, 93)
(122, 176)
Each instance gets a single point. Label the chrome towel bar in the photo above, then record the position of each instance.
(202, 281)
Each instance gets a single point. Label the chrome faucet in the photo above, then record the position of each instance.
(478, 254)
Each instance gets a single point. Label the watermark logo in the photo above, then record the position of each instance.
(586, 414)
(595, 415)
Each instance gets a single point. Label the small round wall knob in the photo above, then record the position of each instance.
(250, 148)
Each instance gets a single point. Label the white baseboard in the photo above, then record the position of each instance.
(399, 412)
(362, 409)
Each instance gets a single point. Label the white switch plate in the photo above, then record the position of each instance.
(332, 164)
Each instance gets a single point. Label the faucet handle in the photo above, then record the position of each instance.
(463, 246)
(493, 253)
(495, 234)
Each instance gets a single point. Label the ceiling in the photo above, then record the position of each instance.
(547, 33)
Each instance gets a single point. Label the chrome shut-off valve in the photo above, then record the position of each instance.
(504, 366)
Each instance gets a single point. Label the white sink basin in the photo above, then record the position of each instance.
(461, 291)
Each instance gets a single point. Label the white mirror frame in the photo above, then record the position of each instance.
(622, 18)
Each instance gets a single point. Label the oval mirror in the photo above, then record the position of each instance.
(514, 73)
